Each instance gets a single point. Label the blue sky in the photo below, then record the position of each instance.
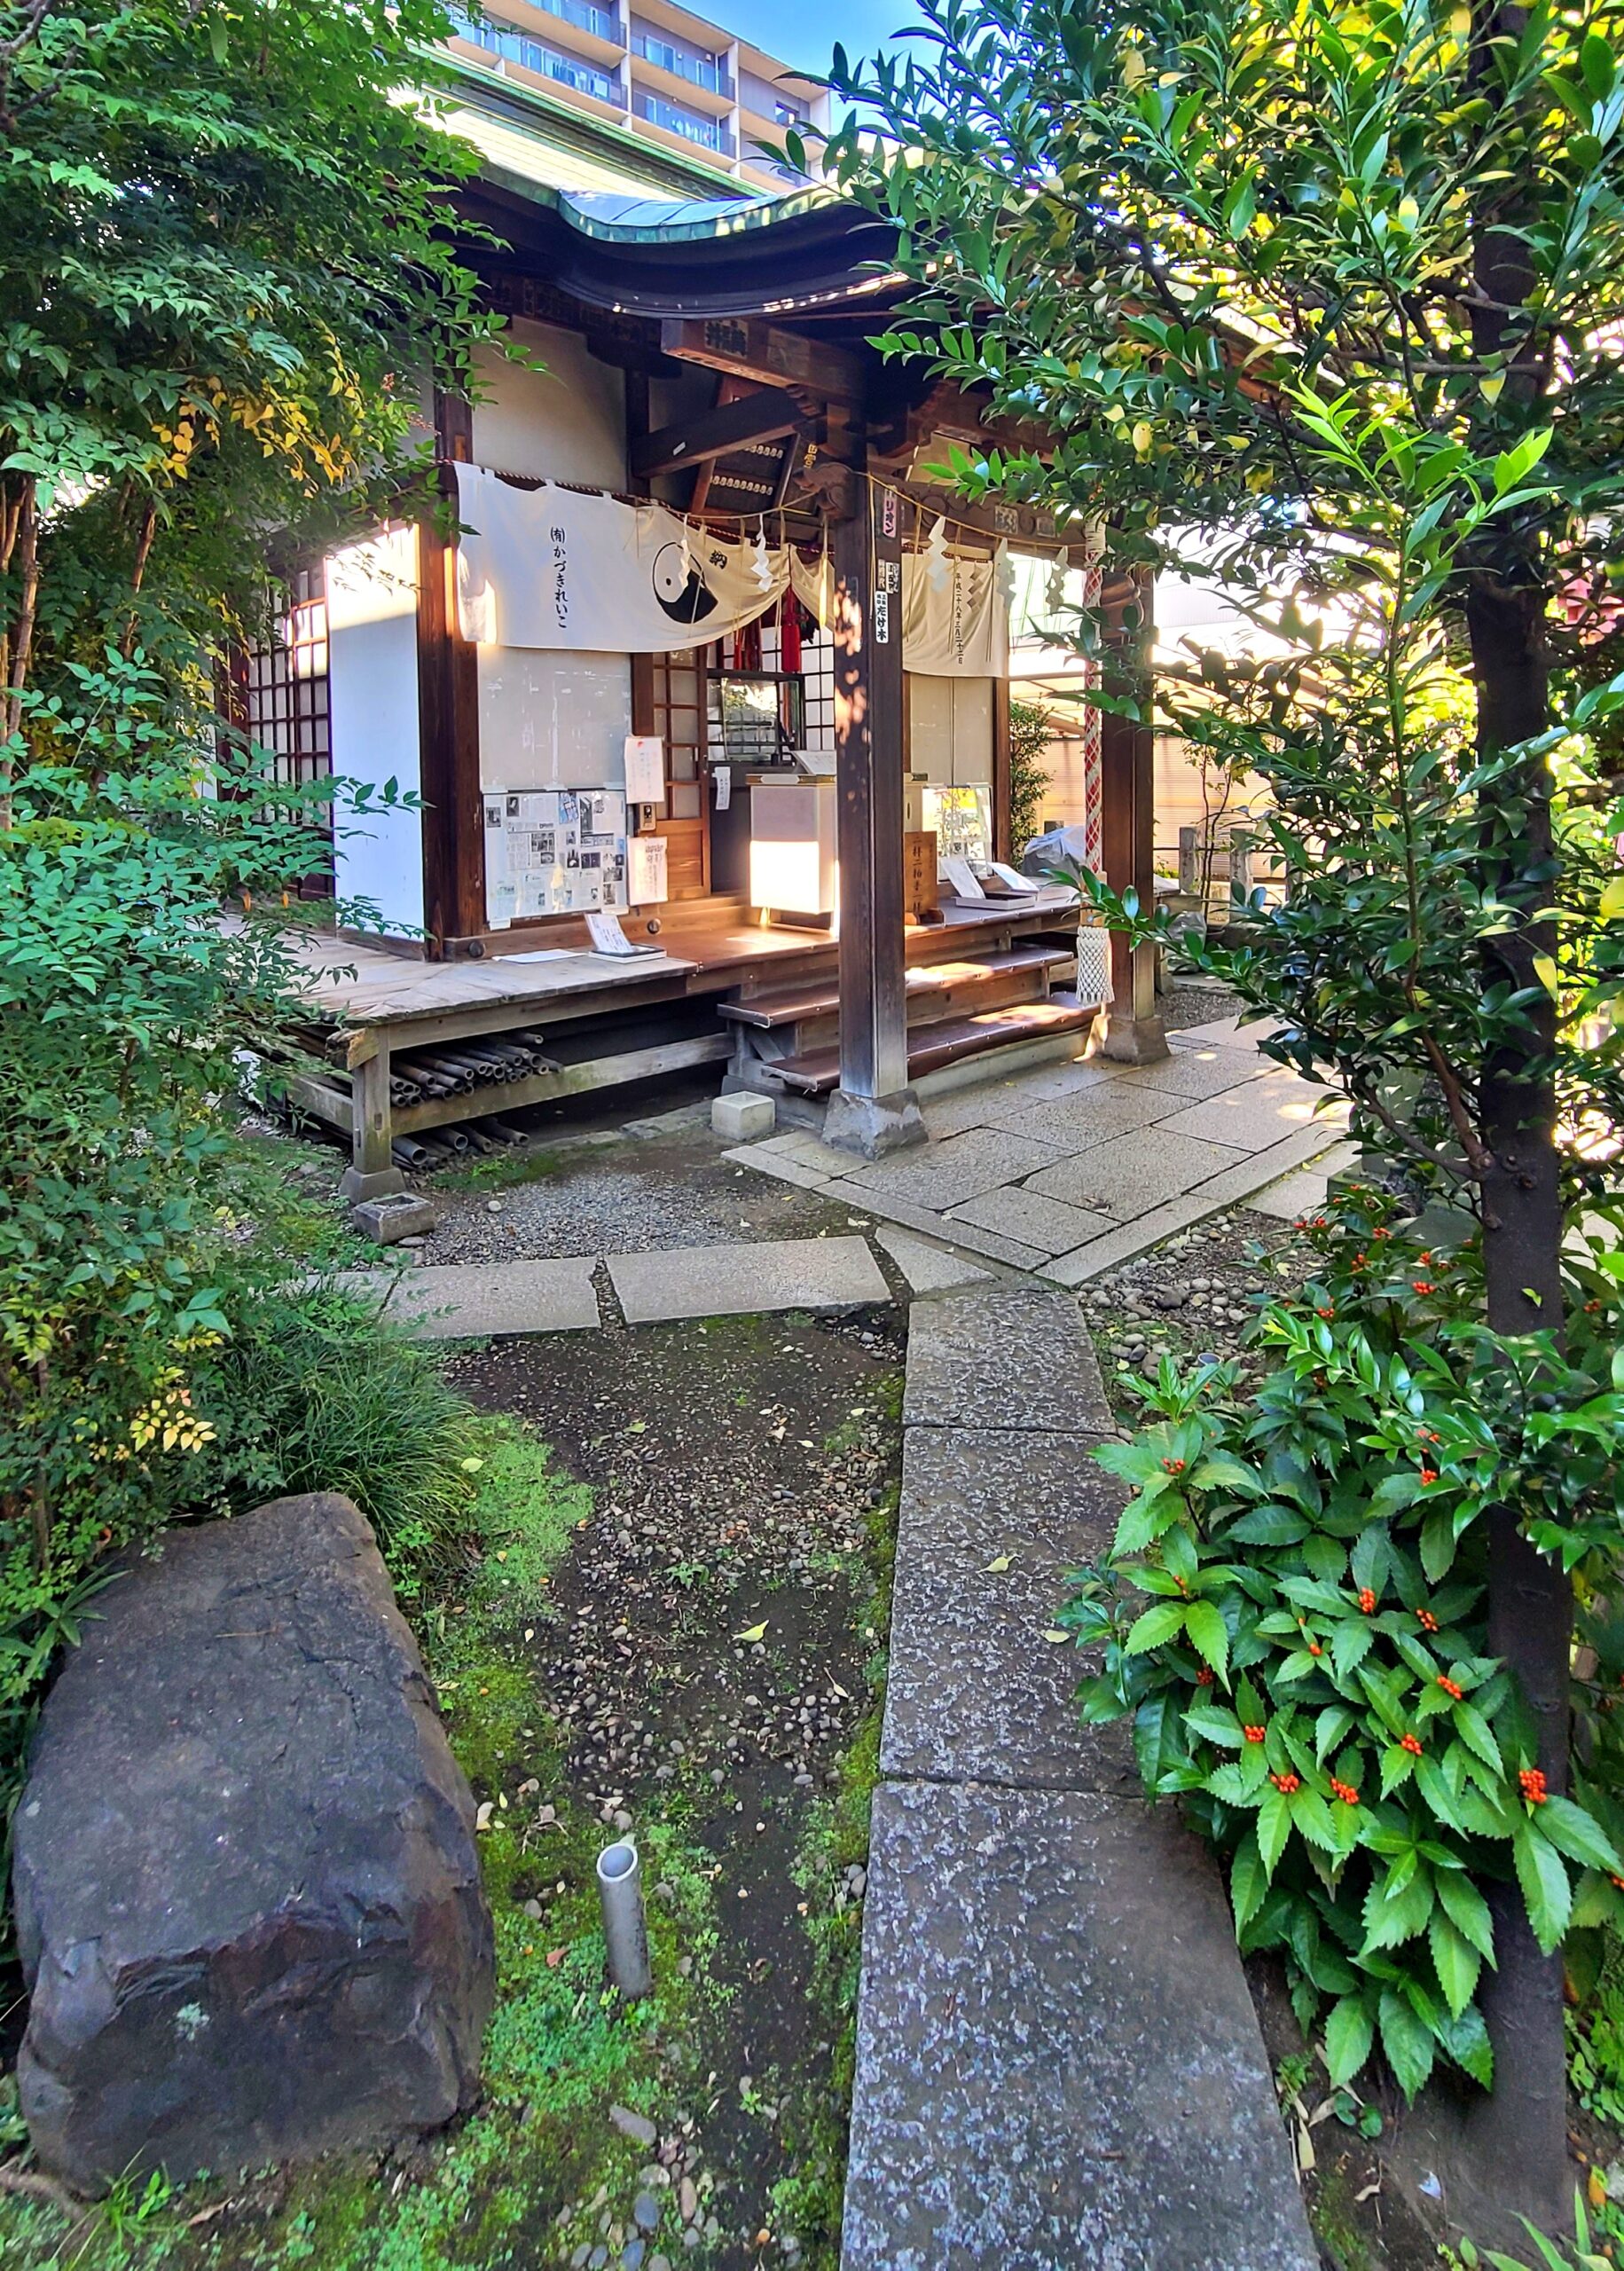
(786, 26)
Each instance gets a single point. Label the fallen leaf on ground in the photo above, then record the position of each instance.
(996, 1568)
(756, 1633)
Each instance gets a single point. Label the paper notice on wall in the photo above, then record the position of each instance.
(723, 777)
(553, 852)
(645, 769)
(646, 881)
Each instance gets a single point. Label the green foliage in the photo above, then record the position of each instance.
(314, 1391)
(225, 259)
(1550, 2255)
(1293, 1613)
(1030, 727)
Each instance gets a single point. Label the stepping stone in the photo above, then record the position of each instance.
(1058, 2064)
(1227, 1033)
(743, 1280)
(470, 1299)
(1017, 1213)
(1130, 1176)
(929, 1269)
(1260, 1112)
(1013, 1355)
(979, 1694)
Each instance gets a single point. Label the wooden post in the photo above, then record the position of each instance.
(873, 1109)
(1004, 846)
(1127, 766)
(448, 718)
(372, 1171)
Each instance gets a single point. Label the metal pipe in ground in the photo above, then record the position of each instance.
(626, 1928)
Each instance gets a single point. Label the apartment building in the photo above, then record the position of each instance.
(673, 78)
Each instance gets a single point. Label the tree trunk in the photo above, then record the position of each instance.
(1517, 2135)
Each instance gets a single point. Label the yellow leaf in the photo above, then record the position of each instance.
(1612, 901)
(1545, 970)
(1055, 1634)
(1133, 66)
(756, 1633)
(996, 1568)
(1142, 438)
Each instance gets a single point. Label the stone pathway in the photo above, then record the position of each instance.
(1058, 2064)
(1066, 1172)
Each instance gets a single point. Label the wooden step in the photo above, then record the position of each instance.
(797, 1006)
(817, 1072)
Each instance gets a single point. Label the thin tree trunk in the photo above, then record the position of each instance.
(144, 548)
(1518, 2134)
(21, 526)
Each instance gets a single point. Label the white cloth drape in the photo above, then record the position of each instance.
(559, 566)
(955, 616)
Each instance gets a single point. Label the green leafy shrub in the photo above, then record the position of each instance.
(314, 1391)
(1293, 1613)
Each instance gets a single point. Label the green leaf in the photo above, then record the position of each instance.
(1350, 1644)
(1155, 1628)
(1406, 2042)
(1467, 1910)
(1466, 2040)
(1274, 1827)
(1578, 1835)
(1478, 1735)
(1248, 1882)
(1543, 1878)
(1455, 1960)
(1218, 1726)
(1208, 1634)
(1349, 2034)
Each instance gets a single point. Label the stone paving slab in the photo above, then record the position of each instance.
(1091, 1117)
(783, 1167)
(470, 1299)
(929, 1269)
(992, 1520)
(1260, 1112)
(935, 1225)
(1197, 1072)
(1132, 1174)
(1059, 2068)
(1004, 1355)
(739, 1280)
(1304, 1192)
(1014, 1212)
(938, 1175)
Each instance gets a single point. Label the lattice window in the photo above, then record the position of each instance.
(285, 686)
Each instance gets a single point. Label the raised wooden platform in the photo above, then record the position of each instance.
(597, 1021)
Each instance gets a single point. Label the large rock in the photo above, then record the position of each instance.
(247, 1897)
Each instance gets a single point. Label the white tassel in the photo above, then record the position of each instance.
(939, 565)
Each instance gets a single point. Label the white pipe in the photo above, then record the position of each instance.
(625, 1930)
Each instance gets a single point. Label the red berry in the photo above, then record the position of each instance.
(1345, 1791)
(1532, 1783)
(1254, 1734)
(1410, 1744)
(1203, 1677)
(1366, 1599)
(1429, 1475)
(1426, 1620)
(1423, 1285)
(1449, 1687)
(1286, 1783)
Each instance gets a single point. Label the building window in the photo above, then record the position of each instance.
(707, 132)
(698, 69)
(277, 695)
(514, 46)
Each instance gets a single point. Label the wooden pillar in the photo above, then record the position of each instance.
(1128, 753)
(1004, 846)
(372, 1171)
(448, 718)
(873, 1109)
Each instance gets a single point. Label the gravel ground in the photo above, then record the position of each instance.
(708, 1665)
(1194, 1296)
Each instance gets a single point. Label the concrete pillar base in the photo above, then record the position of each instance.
(873, 1126)
(1132, 1041)
(354, 1185)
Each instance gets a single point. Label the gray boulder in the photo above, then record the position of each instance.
(248, 1902)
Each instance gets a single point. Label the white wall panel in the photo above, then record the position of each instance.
(371, 630)
(553, 720)
(565, 423)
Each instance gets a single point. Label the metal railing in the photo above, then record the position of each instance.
(602, 22)
(708, 133)
(507, 42)
(696, 69)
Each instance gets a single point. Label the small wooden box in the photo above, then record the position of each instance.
(919, 891)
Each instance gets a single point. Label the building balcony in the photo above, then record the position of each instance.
(602, 23)
(512, 49)
(703, 133)
(677, 63)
